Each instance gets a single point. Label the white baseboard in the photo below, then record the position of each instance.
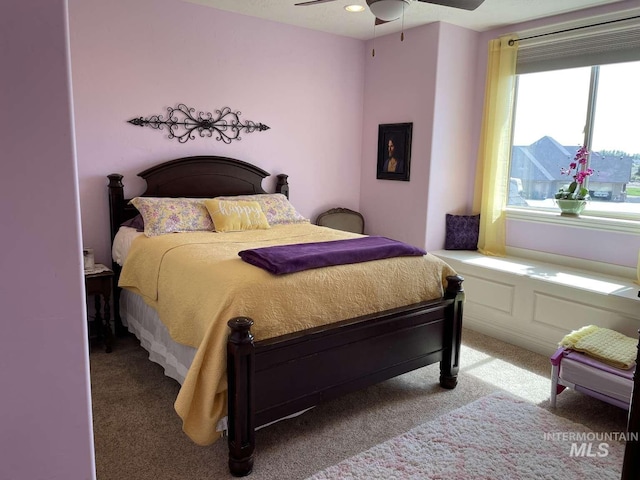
(538, 345)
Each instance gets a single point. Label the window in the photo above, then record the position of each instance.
(559, 110)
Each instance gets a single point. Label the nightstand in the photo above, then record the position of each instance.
(99, 283)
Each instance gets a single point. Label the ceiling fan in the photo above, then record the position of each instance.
(389, 10)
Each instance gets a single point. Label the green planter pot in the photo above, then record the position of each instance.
(571, 208)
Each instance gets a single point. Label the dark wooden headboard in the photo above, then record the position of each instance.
(196, 177)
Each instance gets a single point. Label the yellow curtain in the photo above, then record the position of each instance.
(492, 174)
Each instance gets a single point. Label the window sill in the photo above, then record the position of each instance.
(584, 221)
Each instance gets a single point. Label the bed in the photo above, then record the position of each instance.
(268, 377)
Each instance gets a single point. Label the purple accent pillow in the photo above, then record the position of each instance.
(462, 232)
(136, 222)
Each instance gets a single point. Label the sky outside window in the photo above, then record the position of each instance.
(554, 104)
(617, 119)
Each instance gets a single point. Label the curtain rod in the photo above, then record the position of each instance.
(513, 41)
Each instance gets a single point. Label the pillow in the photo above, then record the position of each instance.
(169, 215)
(462, 232)
(236, 215)
(275, 206)
(136, 222)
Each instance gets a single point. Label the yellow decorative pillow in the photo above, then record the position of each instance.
(275, 206)
(236, 215)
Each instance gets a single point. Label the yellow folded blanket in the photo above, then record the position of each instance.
(603, 344)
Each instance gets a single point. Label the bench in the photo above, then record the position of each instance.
(571, 369)
(531, 299)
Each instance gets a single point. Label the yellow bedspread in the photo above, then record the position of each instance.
(196, 282)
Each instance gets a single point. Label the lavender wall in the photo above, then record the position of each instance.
(399, 87)
(45, 406)
(137, 57)
(429, 80)
(453, 146)
(129, 59)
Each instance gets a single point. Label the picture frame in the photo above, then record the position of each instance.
(394, 151)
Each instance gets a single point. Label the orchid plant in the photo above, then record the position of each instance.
(579, 171)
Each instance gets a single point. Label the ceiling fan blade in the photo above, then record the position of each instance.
(312, 2)
(463, 4)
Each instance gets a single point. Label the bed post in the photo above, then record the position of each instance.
(116, 202)
(240, 375)
(282, 186)
(450, 363)
(116, 209)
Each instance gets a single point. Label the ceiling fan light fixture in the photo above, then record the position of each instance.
(354, 8)
(388, 10)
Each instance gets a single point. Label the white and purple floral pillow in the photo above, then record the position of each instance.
(170, 215)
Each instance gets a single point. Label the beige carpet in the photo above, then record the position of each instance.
(138, 435)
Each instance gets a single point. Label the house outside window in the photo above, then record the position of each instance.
(559, 110)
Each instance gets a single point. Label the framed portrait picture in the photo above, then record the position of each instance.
(394, 151)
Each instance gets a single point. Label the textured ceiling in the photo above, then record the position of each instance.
(331, 17)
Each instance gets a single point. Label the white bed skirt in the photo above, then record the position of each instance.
(143, 322)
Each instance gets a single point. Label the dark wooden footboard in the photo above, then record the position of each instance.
(271, 379)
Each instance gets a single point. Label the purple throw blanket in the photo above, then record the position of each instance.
(303, 256)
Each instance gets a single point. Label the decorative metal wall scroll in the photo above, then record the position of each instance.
(226, 124)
